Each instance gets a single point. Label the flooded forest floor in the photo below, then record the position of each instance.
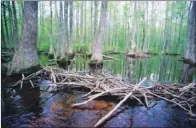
(37, 105)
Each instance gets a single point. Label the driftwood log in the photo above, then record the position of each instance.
(183, 96)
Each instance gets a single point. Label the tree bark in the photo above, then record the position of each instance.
(77, 21)
(190, 48)
(147, 31)
(57, 51)
(26, 56)
(165, 43)
(95, 17)
(81, 24)
(71, 27)
(6, 39)
(15, 26)
(10, 24)
(61, 48)
(65, 27)
(143, 29)
(51, 49)
(133, 45)
(91, 29)
(85, 35)
(181, 22)
(97, 53)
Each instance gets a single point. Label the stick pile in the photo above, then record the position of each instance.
(183, 96)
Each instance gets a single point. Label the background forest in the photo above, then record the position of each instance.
(71, 26)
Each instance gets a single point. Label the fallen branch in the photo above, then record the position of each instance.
(119, 104)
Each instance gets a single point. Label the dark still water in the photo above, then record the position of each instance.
(34, 107)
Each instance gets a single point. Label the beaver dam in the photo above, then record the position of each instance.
(103, 84)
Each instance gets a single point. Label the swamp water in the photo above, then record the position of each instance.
(33, 107)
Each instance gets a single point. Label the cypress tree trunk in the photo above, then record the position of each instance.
(81, 23)
(26, 55)
(57, 53)
(91, 28)
(85, 22)
(147, 31)
(77, 21)
(11, 40)
(71, 27)
(165, 43)
(181, 22)
(65, 27)
(61, 48)
(4, 42)
(143, 30)
(133, 45)
(97, 53)
(2, 35)
(95, 17)
(15, 26)
(190, 48)
(51, 49)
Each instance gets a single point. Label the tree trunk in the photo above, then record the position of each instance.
(3, 43)
(190, 48)
(65, 27)
(147, 31)
(41, 26)
(81, 23)
(51, 49)
(15, 26)
(170, 28)
(77, 21)
(71, 27)
(133, 45)
(6, 39)
(181, 22)
(91, 29)
(10, 24)
(127, 38)
(21, 13)
(95, 17)
(85, 37)
(26, 56)
(190, 51)
(57, 51)
(143, 30)
(61, 48)
(97, 53)
(164, 48)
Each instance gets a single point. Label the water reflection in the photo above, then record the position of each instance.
(166, 69)
(158, 68)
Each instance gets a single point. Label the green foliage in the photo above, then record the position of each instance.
(84, 47)
(43, 46)
(43, 60)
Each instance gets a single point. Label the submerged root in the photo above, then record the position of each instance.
(101, 84)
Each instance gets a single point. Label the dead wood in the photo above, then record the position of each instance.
(103, 84)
